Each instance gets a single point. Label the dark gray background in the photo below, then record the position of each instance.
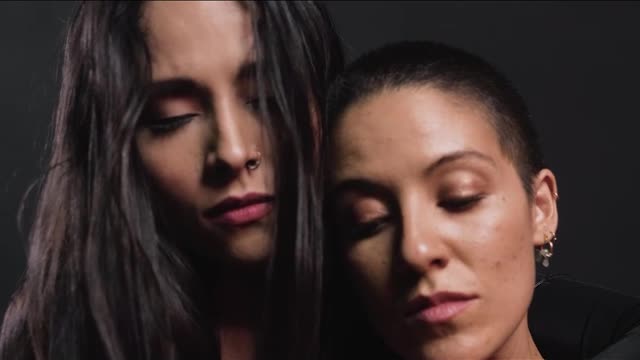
(576, 63)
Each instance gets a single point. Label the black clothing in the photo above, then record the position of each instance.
(573, 320)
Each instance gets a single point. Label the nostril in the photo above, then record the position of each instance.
(439, 263)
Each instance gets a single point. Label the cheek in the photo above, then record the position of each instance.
(505, 237)
(174, 164)
(504, 257)
(500, 232)
(368, 261)
(369, 265)
(508, 258)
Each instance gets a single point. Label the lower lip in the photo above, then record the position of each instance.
(244, 215)
(443, 312)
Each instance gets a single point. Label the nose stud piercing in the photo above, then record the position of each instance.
(254, 162)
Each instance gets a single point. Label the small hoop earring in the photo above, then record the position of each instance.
(545, 252)
(254, 162)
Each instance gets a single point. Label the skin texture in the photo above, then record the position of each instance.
(426, 201)
(201, 60)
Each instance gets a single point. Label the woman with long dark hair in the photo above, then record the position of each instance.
(179, 214)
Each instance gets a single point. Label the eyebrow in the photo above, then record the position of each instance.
(458, 155)
(184, 86)
(369, 187)
(247, 71)
(360, 185)
(176, 87)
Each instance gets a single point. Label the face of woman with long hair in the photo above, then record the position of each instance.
(437, 228)
(201, 142)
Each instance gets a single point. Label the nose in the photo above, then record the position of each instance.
(233, 148)
(423, 246)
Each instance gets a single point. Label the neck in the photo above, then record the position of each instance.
(239, 294)
(519, 346)
(237, 343)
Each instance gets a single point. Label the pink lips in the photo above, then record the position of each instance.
(439, 307)
(238, 211)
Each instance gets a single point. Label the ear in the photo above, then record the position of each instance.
(544, 206)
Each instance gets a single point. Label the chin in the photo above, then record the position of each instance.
(453, 354)
(453, 347)
(252, 247)
(449, 353)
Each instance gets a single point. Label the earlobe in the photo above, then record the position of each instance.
(545, 210)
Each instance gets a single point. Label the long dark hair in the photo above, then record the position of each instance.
(102, 282)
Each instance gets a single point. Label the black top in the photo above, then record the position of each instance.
(573, 320)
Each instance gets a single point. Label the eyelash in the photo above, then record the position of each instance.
(254, 104)
(460, 204)
(367, 229)
(359, 231)
(168, 124)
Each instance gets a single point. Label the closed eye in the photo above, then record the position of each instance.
(354, 231)
(168, 124)
(253, 104)
(460, 204)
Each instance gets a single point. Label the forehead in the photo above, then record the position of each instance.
(412, 125)
(197, 39)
